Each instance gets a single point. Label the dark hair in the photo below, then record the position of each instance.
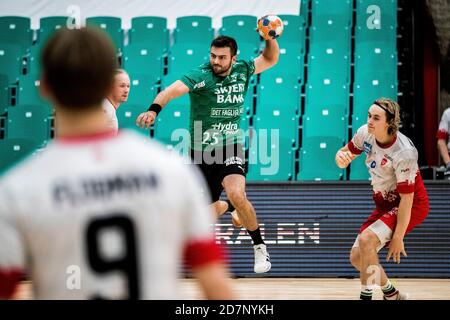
(225, 41)
(78, 67)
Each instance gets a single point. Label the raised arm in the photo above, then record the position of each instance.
(269, 57)
(173, 91)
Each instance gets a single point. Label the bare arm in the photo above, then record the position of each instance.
(173, 91)
(344, 157)
(268, 58)
(214, 281)
(442, 146)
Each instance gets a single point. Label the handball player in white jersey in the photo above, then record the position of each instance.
(118, 95)
(90, 217)
(401, 201)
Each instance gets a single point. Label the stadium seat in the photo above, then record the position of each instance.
(376, 20)
(325, 120)
(29, 93)
(304, 10)
(196, 29)
(112, 26)
(333, 59)
(4, 93)
(127, 114)
(10, 61)
(371, 57)
(14, 150)
(294, 30)
(28, 122)
(280, 91)
(142, 90)
(247, 51)
(48, 25)
(150, 30)
(290, 63)
(33, 60)
(317, 156)
(343, 8)
(324, 26)
(272, 146)
(16, 30)
(327, 91)
(172, 123)
(368, 87)
(143, 58)
(185, 56)
(241, 28)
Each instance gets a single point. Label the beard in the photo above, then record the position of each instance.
(218, 70)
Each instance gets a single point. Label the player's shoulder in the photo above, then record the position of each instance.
(244, 64)
(363, 130)
(405, 148)
(446, 114)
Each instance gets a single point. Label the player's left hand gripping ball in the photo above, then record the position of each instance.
(270, 27)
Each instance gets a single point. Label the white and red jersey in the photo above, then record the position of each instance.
(103, 216)
(393, 169)
(110, 112)
(444, 128)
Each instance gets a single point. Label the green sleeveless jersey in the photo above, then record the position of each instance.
(217, 104)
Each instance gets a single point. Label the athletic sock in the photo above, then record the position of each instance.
(389, 291)
(366, 293)
(256, 236)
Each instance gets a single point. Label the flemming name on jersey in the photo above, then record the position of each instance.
(104, 188)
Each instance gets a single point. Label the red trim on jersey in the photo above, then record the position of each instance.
(405, 187)
(88, 137)
(388, 145)
(202, 251)
(9, 278)
(353, 149)
(442, 134)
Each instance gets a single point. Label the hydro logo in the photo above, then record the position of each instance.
(373, 164)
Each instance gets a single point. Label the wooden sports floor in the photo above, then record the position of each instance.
(304, 289)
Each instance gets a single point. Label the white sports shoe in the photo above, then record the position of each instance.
(262, 259)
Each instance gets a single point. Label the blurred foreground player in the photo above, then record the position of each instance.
(92, 206)
(398, 191)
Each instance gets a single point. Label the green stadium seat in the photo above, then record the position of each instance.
(369, 87)
(29, 93)
(290, 63)
(325, 121)
(33, 60)
(324, 26)
(4, 94)
(279, 90)
(127, 114)
(28, 122)
(16, 30)
(241, 28)
(317, 156)
(185, 56)
(358, 168)
(247, 51)
(294, 30)
(150, 30)
(48, 25)
(112, 26)
(13, 151)
(304, 10)
(142, 58)
(327, 91)
(376, 20)
(333, 59)
(172, 123)
(328, 8)
(373, 57)
(196, 29)
(142, 90)
(275, 136)
(10, 61)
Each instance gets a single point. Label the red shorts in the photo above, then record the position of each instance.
(418, 214)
